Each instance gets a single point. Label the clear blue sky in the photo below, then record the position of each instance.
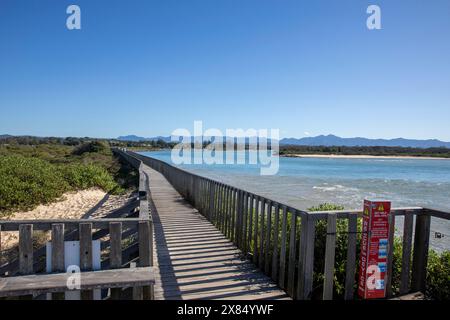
(149, 67)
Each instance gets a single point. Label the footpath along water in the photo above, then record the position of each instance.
(305, 182)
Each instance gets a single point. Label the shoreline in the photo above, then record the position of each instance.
(362, 156)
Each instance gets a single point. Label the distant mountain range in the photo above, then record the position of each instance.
(322, 140)
(332, 140)
(137, 138)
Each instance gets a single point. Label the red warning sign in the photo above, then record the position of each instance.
(374, 249)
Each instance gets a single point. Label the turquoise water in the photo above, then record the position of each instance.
(308, 181)
(304, 182)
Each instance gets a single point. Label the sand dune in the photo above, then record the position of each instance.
(73, 205)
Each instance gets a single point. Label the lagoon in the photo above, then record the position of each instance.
(304, 182)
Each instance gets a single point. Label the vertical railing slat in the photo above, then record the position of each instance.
(58, 263)
(421, 247)
(26, 249)
(244, 223)
(275, 243)
(292, 255)
(282, 272)
(406, 254)
(330, 249)
(268, 238)
(255, 236)
(115, 254)
(86, 254)
(145, 239)
(233, 217)
(390, 256)
(261, 235)
(350, 267)
(250, 224)
(57, 239)
(306, 258)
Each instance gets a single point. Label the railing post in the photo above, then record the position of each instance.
(330, 250)
(255, 236)
(275, 243)
(406, 254)
(58, 263)
(421, 246)
(86, 254)
(390, 257)
(244, 222)
(145, 232)
(306, 257)
(211, 201)
(292, 255)
(250, 224)
(268, 238)
(26, 249)
(239, 218)
(261, 234)
(350, 267)
(233, 216)
(115, 254)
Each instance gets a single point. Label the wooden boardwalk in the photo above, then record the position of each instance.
(194, 260)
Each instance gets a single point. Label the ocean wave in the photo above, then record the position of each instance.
(336, 187)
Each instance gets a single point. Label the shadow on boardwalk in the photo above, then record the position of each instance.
(194, 258)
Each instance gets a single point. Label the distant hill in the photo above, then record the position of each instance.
(135, 138)
(332, 140)
(4, 136)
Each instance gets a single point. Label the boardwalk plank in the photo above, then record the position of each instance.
(193, 259)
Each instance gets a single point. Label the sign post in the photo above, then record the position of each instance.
(374, 249)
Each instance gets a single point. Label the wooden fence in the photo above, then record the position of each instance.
(281, 240)
(126, 240)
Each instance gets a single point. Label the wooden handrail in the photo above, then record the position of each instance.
(90, 280)
(252, 222)
(46, 224)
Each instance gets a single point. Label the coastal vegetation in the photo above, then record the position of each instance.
(41, 173)
(284, 149)
(158, 144)
(438, 270)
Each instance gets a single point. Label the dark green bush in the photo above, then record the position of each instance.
(90, 147)
(26, 182)
(80, 177)
(326, 207)
(438, 275)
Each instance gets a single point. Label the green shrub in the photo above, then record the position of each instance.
(326, 207)
(80, 177)
(90, 147)
(438, 275)
(26, 182)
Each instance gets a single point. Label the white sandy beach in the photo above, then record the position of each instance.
(362, 156)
